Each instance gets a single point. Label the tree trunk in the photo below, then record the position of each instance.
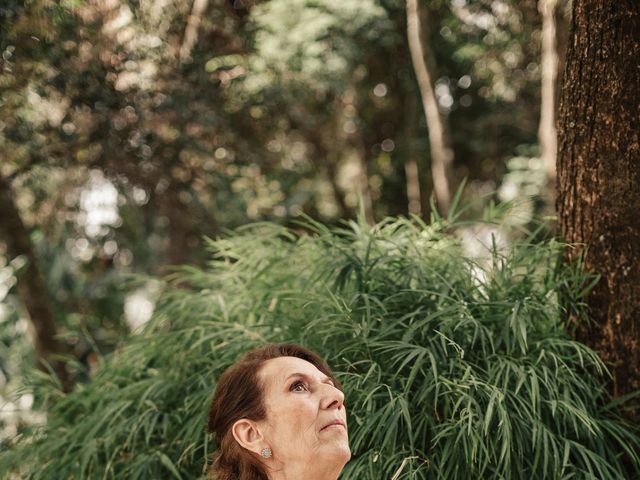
(363, 181)
(324, 159)
(411, 168)
(31, 287)
(549, 62)
(191, 30)
(563, 26)
(441, 151)
(328, 163)
(357, 141)
(180, 223)
(599, 176)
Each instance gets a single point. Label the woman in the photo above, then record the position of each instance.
(279, 414)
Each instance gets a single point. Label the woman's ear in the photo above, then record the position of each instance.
(248, 435)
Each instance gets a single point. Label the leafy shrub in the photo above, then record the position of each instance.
(454, 367)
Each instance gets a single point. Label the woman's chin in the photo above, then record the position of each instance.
(339, 451)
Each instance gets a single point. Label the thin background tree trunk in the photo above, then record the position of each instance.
(598, 180)
(329, 163)
(180, 224)
(325, 159)
(357, 141)
(31, 286)
(363, 181)
(191, 30)
(441, 151)
(549, 63)
(411, 167)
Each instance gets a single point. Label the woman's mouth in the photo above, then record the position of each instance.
(337, 424)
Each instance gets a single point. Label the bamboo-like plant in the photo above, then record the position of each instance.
(454, 367)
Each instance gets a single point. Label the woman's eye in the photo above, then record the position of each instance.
(298, 386)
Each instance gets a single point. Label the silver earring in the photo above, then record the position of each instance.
(266, 452)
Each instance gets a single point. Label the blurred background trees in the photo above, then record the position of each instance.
(129, 131)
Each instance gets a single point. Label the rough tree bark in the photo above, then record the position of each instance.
(441, 151)
(549, 74)
(598, 181)
(31, 287)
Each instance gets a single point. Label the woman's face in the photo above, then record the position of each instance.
(306, 421)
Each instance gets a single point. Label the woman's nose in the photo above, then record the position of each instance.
(333, 398)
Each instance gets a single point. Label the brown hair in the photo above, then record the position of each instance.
(239, 395)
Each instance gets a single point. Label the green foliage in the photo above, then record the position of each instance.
(316, 43)
(276, 110)
(454, 367)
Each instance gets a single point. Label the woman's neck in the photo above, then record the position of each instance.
(307, 471)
